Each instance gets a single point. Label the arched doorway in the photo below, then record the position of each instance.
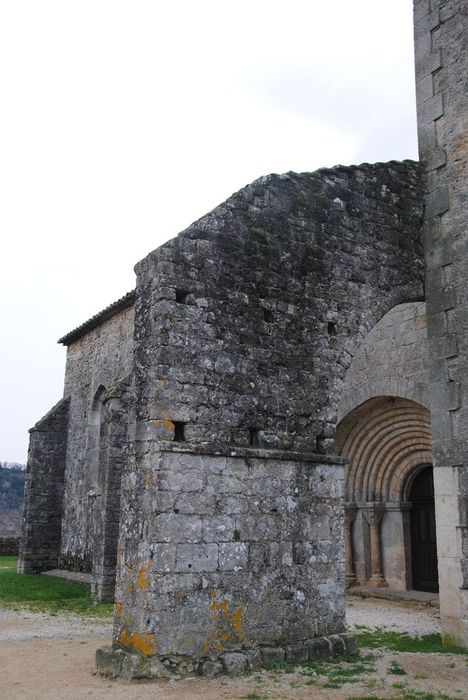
(423, 532)
(387, 442)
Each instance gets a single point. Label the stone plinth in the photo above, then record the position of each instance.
(227, 551)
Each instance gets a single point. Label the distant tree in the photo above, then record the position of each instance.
(12, 476)
(12, 465)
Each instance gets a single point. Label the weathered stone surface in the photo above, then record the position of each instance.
(296, 653)
(109, 660)
(95, 362)
(318, 648)
(211, 668)
(272, 655)
(9, 546)
(236, 579)
(446, 247)
(234, 662)
(42, 513)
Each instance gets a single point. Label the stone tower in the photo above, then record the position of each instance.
(440, 32)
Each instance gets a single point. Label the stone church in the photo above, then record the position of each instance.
(277, 410)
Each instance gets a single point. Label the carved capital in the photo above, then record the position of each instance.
(373, 513)
(350, 513)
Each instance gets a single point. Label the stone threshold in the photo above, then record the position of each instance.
(75, 576)
(118, 662)
(422, 597)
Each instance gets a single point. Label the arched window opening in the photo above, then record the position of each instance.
(94, 440)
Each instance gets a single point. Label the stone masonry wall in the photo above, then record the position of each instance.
(244, 327)
(98, 359)
(393, 360)
(9, 546)
(43, 498)
(228, 552)
(246, 322)
(441, 28)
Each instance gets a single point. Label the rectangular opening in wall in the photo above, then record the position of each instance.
(179, 431)
(181, 296)
(332, 328)
(254, 437)
(268, 315)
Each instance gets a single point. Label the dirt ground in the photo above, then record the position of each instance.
(51, 658)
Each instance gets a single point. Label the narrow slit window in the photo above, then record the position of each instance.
(332, 328)
(181, 296)
(179, 431)
(254, 435)
(268, 315)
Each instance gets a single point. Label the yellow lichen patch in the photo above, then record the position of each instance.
(143, 578)
(227, 626)
(147, 480)
(144, 644)
(125, 638)
(237, 619)
(166, 423)
(118, 607)
(220, 609)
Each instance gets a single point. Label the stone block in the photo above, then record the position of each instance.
(233, 556)
(317, 648)
(421, 9)
(427, 138)
(296, 653)
(437, 202)
(196, 558)
(174, 527)
(435, 159)
(272, 655)
(428, 65)
(136, 667)
(234, 662)
(109, 661)
(431, 109)
(219, 528)
(349, 643)
(254, 659)
(424, 90)
(426, 23)
(337, 645)
(210, 668)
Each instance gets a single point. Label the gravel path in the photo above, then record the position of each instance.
(17, 625)
(414, 619)
(51, 657)
(23, 624)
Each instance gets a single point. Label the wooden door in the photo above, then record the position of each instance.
(423, 533)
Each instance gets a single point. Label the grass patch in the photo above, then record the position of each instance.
(396, 641)
(8, 562)
(330, 673)
(396, 670)
(46, 594)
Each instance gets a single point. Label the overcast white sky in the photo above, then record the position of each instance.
(122, 122)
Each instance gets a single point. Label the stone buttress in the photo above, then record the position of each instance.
(231, 536)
